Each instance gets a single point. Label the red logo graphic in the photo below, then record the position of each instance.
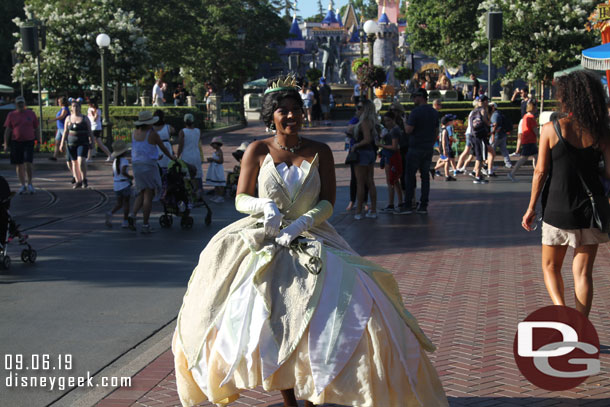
(556, 348)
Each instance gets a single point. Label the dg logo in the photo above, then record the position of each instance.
(556, 348)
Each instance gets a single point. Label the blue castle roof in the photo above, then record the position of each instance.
(355, 36)
(295, 31)
(384, 19)
(339, 19)
(330, 18)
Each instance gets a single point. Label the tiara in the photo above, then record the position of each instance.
(290, 82)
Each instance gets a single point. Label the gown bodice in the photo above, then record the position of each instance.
(295, 190)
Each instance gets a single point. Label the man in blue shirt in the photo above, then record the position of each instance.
(422, 127)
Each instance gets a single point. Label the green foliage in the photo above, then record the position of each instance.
(539, 37)
(10, 10)
(214, 53)
(368, 9)
(357, 63)
(403, 73)
(71, 58)
(313, 75)
(447, 36)
(370, 76)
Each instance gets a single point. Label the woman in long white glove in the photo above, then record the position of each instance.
(279, 299)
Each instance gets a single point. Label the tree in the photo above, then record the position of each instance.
(219, 56)
(71, 57)
(320, 9)
(447, 36)
(538, 37)
(368, 9)
(11, 9)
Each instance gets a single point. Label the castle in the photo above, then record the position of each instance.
(334, 43)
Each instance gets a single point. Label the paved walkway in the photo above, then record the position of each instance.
(467, 271)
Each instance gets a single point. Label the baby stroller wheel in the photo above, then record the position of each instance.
(25, 255)
(186, 222)
(33, 256)
(165, 221)
(6, 263)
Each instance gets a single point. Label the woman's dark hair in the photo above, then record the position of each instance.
(272, 100)
(581, 94)
(161, 115)
(390, 114)
(93, 103)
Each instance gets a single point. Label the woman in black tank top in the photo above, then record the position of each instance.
(567, 210)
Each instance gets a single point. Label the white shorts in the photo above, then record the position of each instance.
(552, 236)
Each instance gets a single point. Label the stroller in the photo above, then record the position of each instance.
(9, 230)
(179, 196)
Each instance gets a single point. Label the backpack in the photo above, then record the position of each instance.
(507, 124)
(479, 128)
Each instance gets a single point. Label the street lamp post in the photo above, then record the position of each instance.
(103, 41)
(371, 28)
(241, 38)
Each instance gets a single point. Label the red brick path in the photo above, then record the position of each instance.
(467, 271)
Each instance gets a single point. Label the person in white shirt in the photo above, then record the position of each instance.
(122, 183)
(157, 94)
(94, 113)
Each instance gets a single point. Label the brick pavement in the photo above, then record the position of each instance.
(467, 271)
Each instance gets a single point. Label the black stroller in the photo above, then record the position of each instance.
(9, 230)
(179, 196)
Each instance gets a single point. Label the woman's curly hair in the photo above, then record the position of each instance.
(581, 95)
(272, 100)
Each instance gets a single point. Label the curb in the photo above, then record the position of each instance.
(127, 365)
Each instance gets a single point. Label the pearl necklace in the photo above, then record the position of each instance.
(291, 149)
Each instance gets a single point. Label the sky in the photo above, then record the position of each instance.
(308, 8)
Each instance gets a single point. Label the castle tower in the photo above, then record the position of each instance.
(384, 51)
(390, 8)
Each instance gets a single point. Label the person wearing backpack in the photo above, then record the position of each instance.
(501, 127)
(480, 124)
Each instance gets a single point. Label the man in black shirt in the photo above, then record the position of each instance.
(521, 96)
(476, 86)
(422, 127)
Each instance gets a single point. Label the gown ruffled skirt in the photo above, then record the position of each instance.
(315, 317)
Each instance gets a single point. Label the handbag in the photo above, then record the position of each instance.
(352, 157)
(599, 203)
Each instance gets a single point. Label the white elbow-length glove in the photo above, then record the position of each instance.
(272, 218)
(318, 214)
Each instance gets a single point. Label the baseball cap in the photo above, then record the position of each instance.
(420, 92)
(447, 118)
(19, 99)
(494, 105)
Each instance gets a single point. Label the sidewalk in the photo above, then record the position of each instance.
(467, 271)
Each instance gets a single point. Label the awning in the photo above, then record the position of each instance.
(6, 89)
(575, 69)
(466, 80)
(597, 58)
(258, 83)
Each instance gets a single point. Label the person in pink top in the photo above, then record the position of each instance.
(21, 125)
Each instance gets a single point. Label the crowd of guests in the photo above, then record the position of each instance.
(405, 146)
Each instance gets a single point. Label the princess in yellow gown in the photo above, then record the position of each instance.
(279, 299)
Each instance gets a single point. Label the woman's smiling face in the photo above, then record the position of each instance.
(288, 117)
